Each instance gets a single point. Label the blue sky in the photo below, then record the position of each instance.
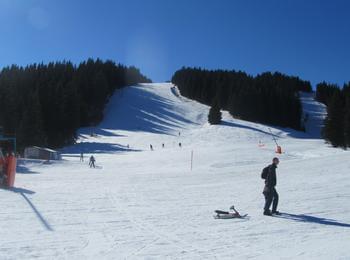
(309, 39)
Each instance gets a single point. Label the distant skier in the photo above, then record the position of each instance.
(81, 157)
(92, 161)
(163, 145)
(151, 147)
(180, 145)
(270, 193)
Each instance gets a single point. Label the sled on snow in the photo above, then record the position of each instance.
(232, 213)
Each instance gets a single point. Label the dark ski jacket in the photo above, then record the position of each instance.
(271, 179)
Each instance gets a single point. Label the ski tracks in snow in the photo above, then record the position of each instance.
(186, 248)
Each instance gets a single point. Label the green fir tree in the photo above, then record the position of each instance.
(214, 117)
(333, 131)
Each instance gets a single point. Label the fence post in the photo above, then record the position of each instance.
(191, 160)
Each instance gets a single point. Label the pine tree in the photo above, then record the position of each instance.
(270, 98)
(45, 104)
(214, 117)
(334, 123)
(30, 131)
(347, 121)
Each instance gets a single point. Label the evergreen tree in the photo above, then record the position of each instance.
(334, 123)
(270, 98)
(214, 117)
(30, 131)
(45, 104)
(347, 121)
(325, 92)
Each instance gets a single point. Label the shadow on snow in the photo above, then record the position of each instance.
(313, 219)
(37, 213)
(23, 193)
(231, 124)
(136, 109)
(99, 132)
(22, 169)
(290, 132)
(92, 147)
(19, 190)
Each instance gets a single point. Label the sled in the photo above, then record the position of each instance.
(233, 213)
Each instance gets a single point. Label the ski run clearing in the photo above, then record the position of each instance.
(143, 204)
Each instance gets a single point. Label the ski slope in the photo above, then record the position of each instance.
(143, 204)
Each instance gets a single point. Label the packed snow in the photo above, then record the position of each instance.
(144, 204)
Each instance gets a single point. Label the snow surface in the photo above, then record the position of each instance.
(143, 204)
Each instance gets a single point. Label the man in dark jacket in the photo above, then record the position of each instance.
(270, 193)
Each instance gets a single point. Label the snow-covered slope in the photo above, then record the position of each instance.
(315, 113)
(143, 204)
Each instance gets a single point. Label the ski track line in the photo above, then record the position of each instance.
(175, 224)
(142, 227)
(112, 199)
(84, 249)
(102, 232)
(174, 240)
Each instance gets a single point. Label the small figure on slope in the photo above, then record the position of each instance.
(92, 161)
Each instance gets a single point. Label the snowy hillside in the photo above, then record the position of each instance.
(143, 204)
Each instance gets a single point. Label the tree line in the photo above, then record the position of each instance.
(44, 104)
(269, 98)
(337, 123)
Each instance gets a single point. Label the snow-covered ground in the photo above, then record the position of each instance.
(143, 204)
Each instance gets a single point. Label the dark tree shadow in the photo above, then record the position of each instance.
(18, 190)
(313, 219)
(141, 110)
(98, 132)
(92, 147)
(290, 132)
(231, 124)
(23, 193)
(22, 169)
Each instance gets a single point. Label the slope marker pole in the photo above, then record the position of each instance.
(191, 160)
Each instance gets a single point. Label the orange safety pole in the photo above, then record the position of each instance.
(11, 170)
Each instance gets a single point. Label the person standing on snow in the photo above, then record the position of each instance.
(92, 161)
(270, 193)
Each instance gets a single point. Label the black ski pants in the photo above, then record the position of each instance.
(271, 197)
